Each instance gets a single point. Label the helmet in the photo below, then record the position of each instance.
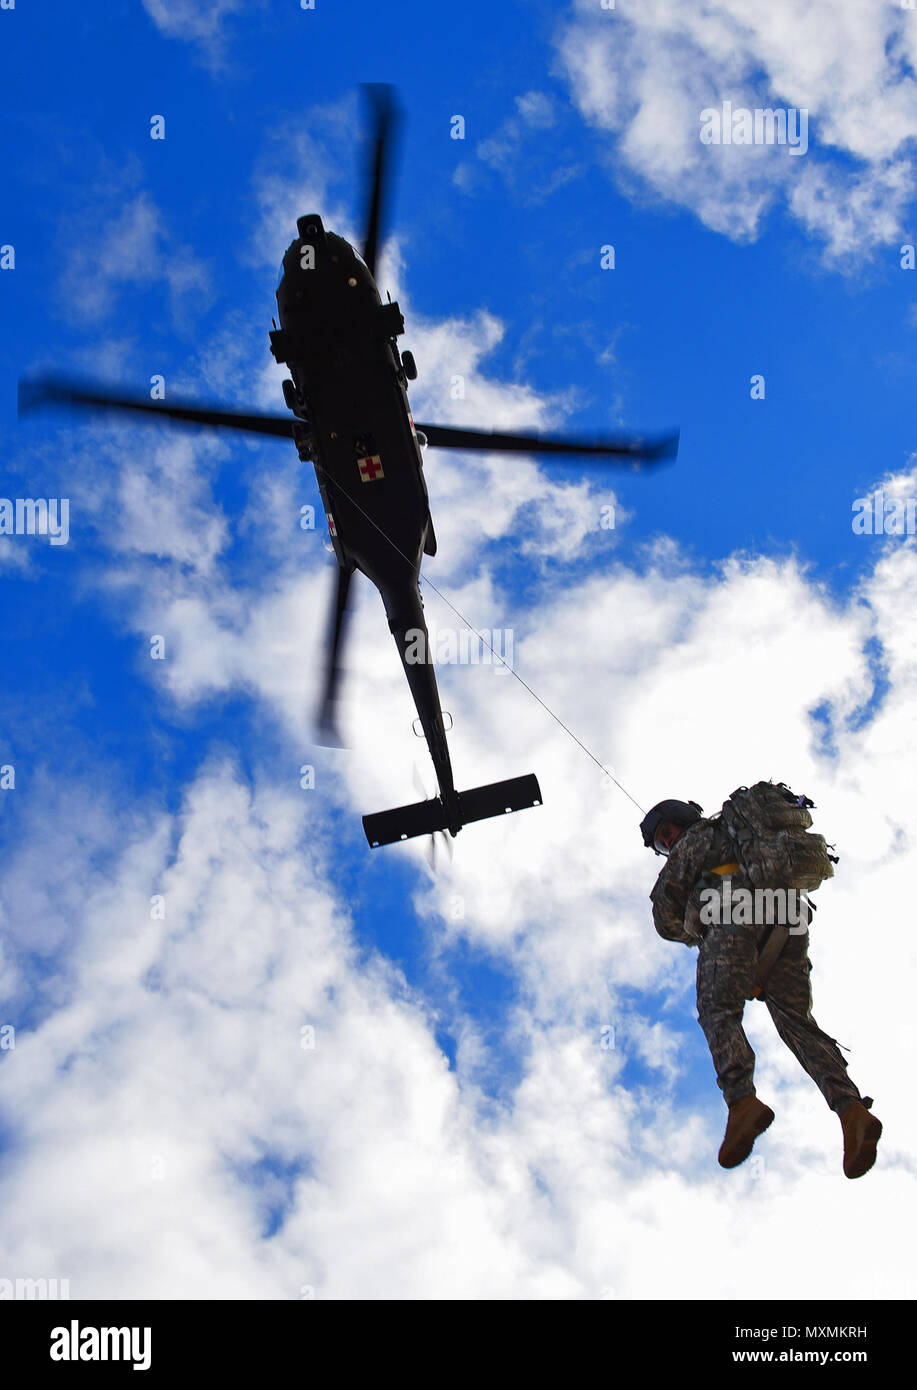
(683, 813)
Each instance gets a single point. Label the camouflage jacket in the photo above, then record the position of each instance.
(676, 896)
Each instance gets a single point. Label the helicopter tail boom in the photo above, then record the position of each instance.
(425, 817)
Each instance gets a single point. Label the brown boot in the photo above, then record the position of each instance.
(748, 1118)
(861, 1135)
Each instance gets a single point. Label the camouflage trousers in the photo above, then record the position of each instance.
(725, 973)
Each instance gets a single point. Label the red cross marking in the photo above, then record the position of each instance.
(370, 468)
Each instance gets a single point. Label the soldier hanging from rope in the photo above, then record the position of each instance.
(758, 847)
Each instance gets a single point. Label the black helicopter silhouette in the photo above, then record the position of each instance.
(347, 391)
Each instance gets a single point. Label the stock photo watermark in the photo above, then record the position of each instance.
(449, 646)
(878, 515)
(737, 125)
(83, 1343)
(742, 907)
(36, 516)
(30, 1288)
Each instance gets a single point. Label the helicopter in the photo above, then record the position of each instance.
(350, 417)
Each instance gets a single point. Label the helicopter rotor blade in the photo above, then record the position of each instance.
(333, 671)
(48, 391)
(637, 448)
(383, 114)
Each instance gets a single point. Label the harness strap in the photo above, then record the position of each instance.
(774, 941)
(767, 957)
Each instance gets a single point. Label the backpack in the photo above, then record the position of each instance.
(769, 825)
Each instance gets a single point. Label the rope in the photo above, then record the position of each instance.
(334, 482)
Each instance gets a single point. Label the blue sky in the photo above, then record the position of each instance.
(731, 626)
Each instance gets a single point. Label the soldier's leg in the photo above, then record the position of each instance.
(725, 970)
(788, 995)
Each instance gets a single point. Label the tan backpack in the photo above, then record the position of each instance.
(769, 825)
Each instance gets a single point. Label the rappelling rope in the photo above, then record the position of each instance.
(334, 482)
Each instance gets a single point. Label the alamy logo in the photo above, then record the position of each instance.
(34, 1288)
(36, 516)
(763, 126)
(784, 907)
(75, 1343)
(878, 515)
(449, 646)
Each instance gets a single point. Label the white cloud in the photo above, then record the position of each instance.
(201, 25)
(14, 554)
(501, 150)
(302, 171)
(645, 73)
(509, 148)
(132, 246)
(179, 1118)
(170, 1054)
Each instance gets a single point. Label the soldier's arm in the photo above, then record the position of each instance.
(681, 872)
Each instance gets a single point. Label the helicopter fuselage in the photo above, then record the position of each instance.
(348, 391)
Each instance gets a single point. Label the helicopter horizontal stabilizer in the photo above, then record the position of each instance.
(425, 817)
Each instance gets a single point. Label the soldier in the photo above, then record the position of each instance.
(702, 855)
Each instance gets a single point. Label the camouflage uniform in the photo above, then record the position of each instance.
(726, 969)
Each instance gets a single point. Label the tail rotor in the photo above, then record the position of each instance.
(439, 847)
